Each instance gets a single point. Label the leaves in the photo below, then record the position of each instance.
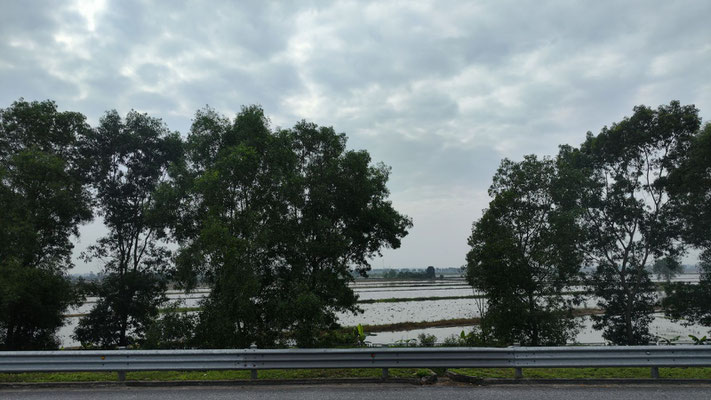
(43, 199)
(520, 256)
(274, 221)
(627, 212)
(127, 161)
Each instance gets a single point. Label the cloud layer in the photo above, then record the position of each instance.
(441, 91)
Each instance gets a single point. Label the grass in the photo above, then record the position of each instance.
(275, 374)
(373, 373)
(409, 299)
(587, 373)
(407, 326)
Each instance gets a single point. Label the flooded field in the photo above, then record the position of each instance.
(661, 327)
(454, 305)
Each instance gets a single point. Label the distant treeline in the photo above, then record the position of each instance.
(414, 273)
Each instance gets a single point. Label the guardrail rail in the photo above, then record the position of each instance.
(122, 361)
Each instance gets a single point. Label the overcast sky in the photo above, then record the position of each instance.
(440, 91)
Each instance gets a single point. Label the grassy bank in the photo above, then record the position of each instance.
(444, 323)
(276, 374)
(407, 326)
(587, 373)
(409, 299)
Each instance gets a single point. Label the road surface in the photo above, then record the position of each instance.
(368, 391)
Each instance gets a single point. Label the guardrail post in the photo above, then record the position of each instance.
(386, 373)
(518, 371)
(253, 374)
(655, 372)
(121, 375)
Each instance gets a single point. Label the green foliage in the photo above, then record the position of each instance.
(691, 302)
(274, 221)
(427, 273)
(360, 335)
(587, 373)
(43, 199)
(474, 338)
(666, 268)
(127, 161)
(619, 177)
(426, 340)
(127, 304)
(700, 340)
(689, 187)
(523, 254)
(173, 330)
(221, 375)
(32, 301)
(422, 373)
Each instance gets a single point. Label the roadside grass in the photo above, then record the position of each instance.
(587, 373)
(274, 374)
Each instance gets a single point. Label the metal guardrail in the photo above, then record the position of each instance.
(122, 361)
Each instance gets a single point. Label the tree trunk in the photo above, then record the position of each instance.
(628, 317)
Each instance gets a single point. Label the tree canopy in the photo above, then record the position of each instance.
(690, 190)
(523, 256)
(127, 160)
(627, 213)
(274, 221)
(43, 199)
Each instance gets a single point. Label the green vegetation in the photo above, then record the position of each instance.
(278, 222)
(408, 299)
(274, 221)
(523, 256)
(691, 303)
(690, 186)
(127, 160)
(427, 274)
(627, 213)
(587, 373)
(631, 197)
(276, 374)
(43, 198)
(408, 326)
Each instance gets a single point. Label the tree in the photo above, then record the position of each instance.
(523, 256)
(666, 268)
(43, 199)
(690, 302)
(127, 162)
(689, 186)
(274, 221)
(627, 211)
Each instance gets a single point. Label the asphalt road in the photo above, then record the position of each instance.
(368, 391)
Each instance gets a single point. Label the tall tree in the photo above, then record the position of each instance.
(627, 211)
(689, 186)
(274, 221)
(128, 161)
(524, 255)
(43, 199)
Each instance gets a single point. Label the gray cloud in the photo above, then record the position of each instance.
(439, 90)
